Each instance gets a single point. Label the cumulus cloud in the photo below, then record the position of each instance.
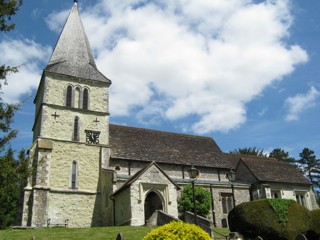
(301, 102)
(56, 20)
(28, 55)
(202, 60)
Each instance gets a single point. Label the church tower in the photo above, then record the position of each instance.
(70, 134)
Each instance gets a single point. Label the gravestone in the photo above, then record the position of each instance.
(301, 237)
(119, 236)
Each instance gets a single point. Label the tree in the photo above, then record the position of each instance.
(250, 151)
(203, 200)
(281, 155)
(8, 8)
(8, 190)
(310, 166)
(13, 172)
(13, 178)
(6, 117)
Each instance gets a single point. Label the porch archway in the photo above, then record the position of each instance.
(152, 203)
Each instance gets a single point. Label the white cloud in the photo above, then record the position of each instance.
(28, 55)
(187, 59)
(301, 102)
(56, 20)
(263, 111)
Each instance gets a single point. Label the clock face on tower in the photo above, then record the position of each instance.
(92, 137)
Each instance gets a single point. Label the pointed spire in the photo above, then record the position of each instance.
(72, 54)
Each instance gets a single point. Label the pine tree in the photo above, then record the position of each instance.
(254, 151)
(281, 155)
(310, 166)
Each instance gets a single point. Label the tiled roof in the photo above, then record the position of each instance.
(272, 170)
(164, 147)
(233, 159)
(72, 54)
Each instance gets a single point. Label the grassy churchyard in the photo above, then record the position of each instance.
(103, 233)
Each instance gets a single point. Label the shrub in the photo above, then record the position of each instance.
(314, 232)
(270, 219)
(203, 200)
(177, 230)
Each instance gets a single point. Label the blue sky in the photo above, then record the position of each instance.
(241, 71)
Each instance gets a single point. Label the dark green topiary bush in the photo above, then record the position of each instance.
(177, 230)
(270, 219)
(314, 232)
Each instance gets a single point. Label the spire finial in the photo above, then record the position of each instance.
(75, 1)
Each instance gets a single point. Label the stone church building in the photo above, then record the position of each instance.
(94, 173)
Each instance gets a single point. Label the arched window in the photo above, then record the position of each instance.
(77, 97)
(69, 97)
(85, 101)
(74, 171)
(76, 129)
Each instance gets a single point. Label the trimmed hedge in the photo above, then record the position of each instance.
(270, 219)
(177, 230)
(314, 233)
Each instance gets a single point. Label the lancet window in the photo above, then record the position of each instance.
(85, 100)
(74, 175)
(76, 129)
(69, 97)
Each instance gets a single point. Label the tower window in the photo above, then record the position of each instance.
(77, 97)
(74, 175)
(69, 97)
(76, 129)
(85, 101)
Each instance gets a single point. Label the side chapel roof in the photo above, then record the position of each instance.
(164, 147)
(272, 170)
(72, 54)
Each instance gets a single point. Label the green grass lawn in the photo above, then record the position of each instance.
(221, 232)
(103, 233)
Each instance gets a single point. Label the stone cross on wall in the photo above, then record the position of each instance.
(55, 115)
(154, 173)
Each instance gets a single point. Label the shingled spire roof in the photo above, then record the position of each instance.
(72, 54)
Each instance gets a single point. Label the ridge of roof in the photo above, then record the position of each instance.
(159, 131)
(72, 54)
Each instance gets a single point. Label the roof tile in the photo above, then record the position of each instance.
(272, 170)
(150, 145)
